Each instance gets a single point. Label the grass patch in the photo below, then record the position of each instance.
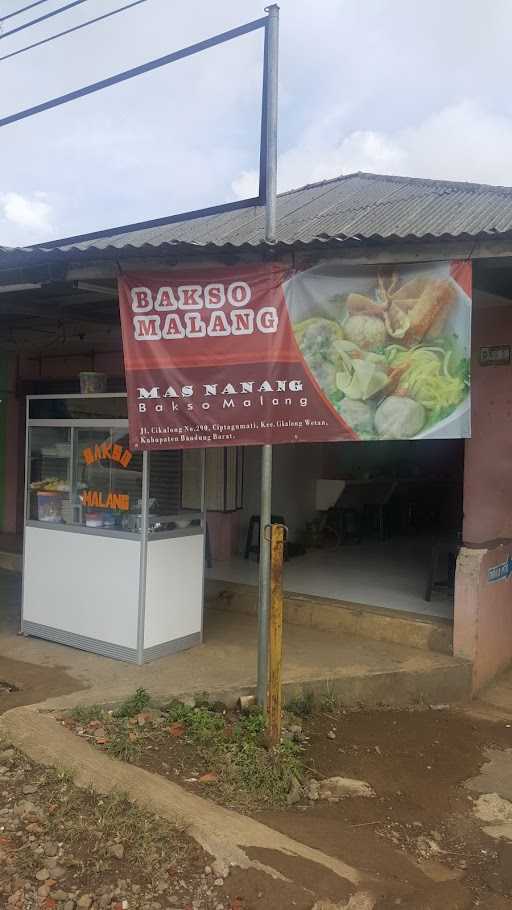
(302, 705)
(87, 821)
(133, 705)
(83, 714)
(124, 744)
(248, 772)
(202, 738)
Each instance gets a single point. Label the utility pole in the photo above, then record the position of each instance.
(269, 160)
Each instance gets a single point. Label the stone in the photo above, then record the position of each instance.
(493, 808)
(116, 850)
(59, 895)
(85, 902)
(503, 830)
(313, 790)
(220, 868)
(331, 734)
(427, 847)
(56, 870)
(29, 788)
(341, 787)
(295, 792)
(69, 905)
(51, 849)
(25, 808)
(42, 875)
(7, 755)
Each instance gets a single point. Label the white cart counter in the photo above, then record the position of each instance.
(112, 562)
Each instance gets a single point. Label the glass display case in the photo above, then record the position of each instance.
(129, 532)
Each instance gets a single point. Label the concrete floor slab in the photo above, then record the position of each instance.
(391, 575)
(360, 670)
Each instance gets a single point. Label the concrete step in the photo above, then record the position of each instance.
(428, 633)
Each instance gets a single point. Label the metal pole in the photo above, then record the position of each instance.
(276, 636)
(270, 161)
(264, 576)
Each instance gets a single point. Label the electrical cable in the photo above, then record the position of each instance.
(137, 71)
(55, 12)
(23, 9)
(68, 31)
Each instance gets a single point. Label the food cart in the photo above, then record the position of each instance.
(112, 563)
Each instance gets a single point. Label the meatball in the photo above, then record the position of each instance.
(369, 332)
(358, 415)
(399, 418)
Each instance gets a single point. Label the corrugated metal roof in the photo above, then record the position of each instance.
(360, 206)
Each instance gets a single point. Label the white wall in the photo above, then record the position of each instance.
(295, 470)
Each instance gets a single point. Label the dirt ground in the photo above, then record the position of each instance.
(418, 837)
(25, 684)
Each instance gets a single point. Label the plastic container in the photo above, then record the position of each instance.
(49, 506)
(93, 519)
(91, 383)
(109, 520)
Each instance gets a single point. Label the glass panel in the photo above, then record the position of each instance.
(175, 484)
(78, 408)
(107, 480)
(49, 475)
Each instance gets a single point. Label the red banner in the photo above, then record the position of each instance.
(255, 354)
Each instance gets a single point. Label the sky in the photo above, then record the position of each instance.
(388, 86)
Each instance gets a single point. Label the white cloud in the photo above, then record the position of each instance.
(460, 142)
(30, 213)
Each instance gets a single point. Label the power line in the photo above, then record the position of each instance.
(137, 70)
(55, 12)
(68, 31)
(23, 9)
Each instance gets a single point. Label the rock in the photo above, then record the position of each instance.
(313, 790)
(59, 895)
(427, 847)
(295, 792)
(219, 882)
(331, 734)
(7, 755)
(42, 875)
(69, 905)
(220, 868)
(29, 788)
(56, 870)
(210, 777)
(51, 849)
(503, 830)
(116, 850)
(85, 902)
(493, 808)
(25, 808)
(340, 787)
